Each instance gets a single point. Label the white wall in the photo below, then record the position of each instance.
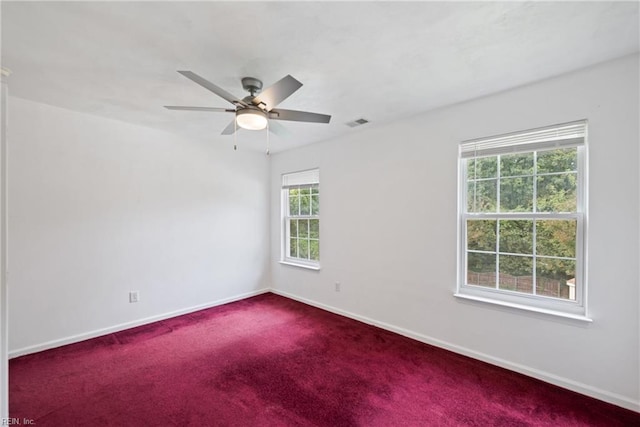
(98, 208)
(4, 306)
(388, 232)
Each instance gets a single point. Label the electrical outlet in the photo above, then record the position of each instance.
(134, 296)
(337, 286)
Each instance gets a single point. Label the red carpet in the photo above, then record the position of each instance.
(271, 361)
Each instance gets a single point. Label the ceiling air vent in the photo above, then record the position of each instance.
(357, 123)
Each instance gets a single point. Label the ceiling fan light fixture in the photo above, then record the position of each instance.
(251, 119)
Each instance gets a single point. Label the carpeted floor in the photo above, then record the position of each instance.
(271, 361)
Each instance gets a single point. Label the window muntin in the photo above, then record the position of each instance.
(522, 218)
(301, 218)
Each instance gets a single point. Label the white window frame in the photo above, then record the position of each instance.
(565, 135)
(301, 179)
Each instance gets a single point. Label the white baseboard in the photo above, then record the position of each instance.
(567, 383)
(122, 326)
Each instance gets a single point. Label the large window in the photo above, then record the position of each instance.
(522, 219)
(301, 218)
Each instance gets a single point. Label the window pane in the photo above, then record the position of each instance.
(516, 236)
(303, 246)
(294, 203)
(516, 194)
(481, 196)
(481, 235)
(556, 238)
(556, 278)
(314, 250)
(481, 269)
(557, 193)
(314, 189)
(293, 228)
(483, 167)
(516, 164)
(558, 160)
(303, 228)
(315, 205)
(305, 205)
(516, 273)
(314, 228)
(293, 247)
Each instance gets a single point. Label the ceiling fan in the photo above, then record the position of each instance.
(253, 111)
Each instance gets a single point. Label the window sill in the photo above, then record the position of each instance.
(525, 307)
(307, 266)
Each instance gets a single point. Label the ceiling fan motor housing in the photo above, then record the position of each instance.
(252, 85)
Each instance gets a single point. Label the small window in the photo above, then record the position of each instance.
(301, 218)
(522, 219)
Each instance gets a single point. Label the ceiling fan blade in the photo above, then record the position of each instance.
(277, 92)
(210, 86)
(298, 116)
(220, 110)
(230, 129)
(277, 129)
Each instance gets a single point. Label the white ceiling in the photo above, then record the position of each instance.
(377, 60)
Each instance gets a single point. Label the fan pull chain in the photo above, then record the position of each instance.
(235, 134)
(268, 145)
